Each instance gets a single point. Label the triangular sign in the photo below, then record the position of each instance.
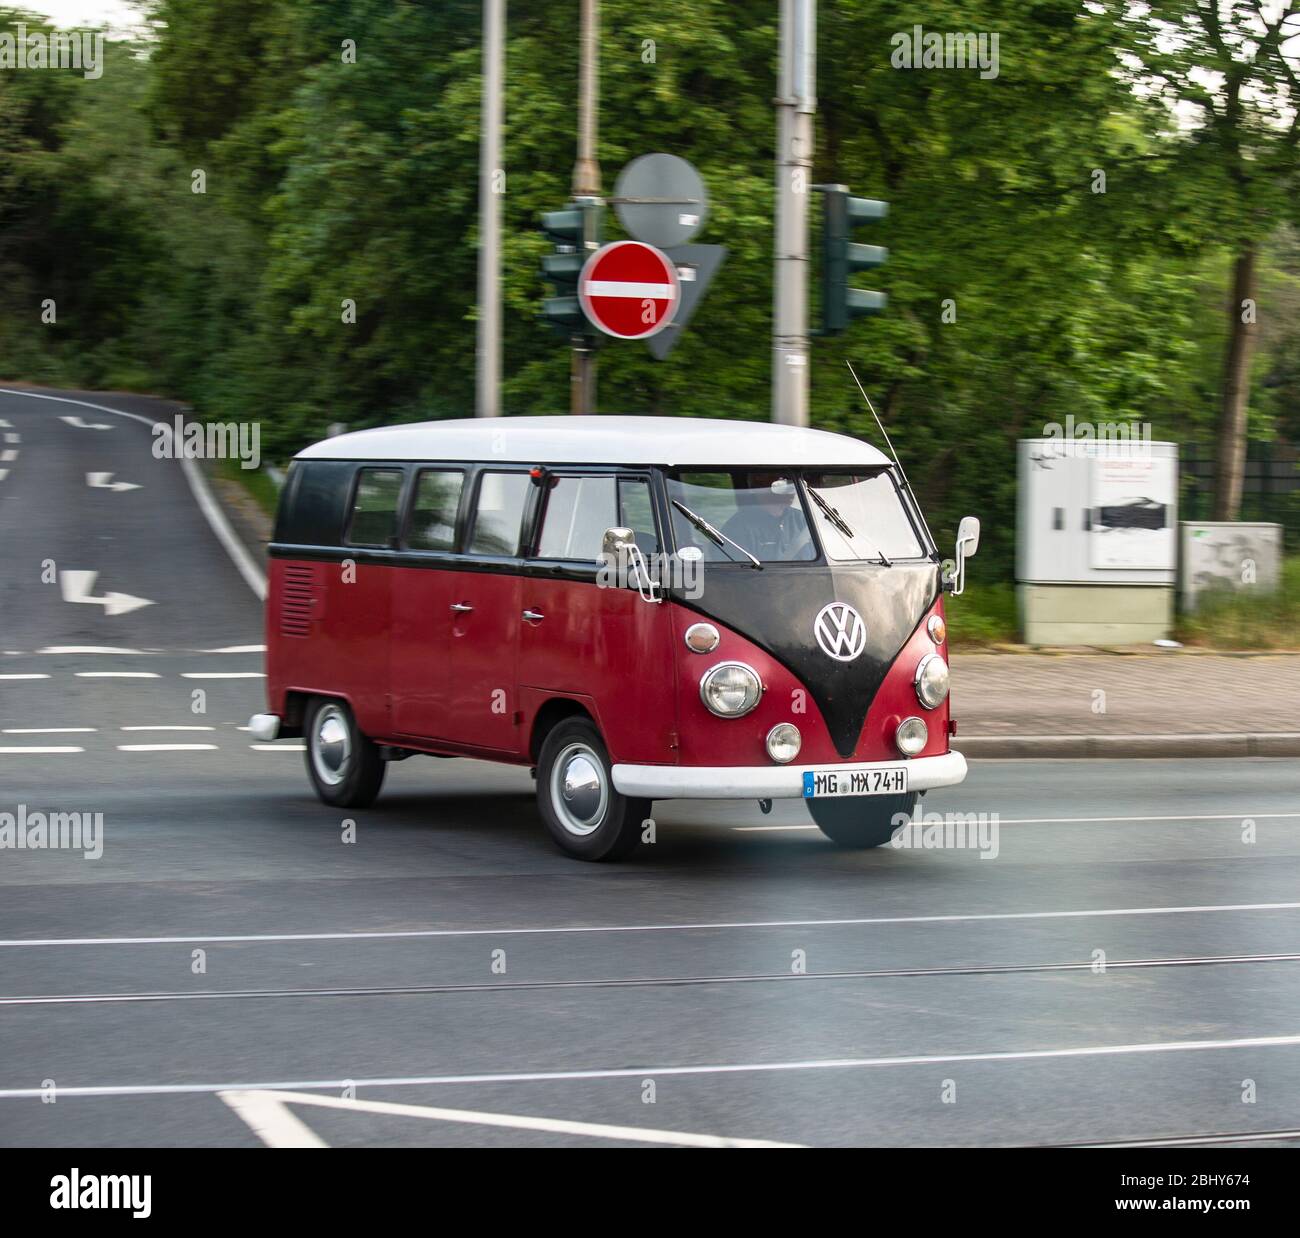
(696, 267)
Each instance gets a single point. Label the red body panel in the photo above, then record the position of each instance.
(419, 676)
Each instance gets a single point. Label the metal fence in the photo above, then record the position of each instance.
(1270, 491)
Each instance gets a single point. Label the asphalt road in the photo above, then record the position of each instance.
(469, 985)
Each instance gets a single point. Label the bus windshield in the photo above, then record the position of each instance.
(769, 514)
(759, 510)
(861, 516)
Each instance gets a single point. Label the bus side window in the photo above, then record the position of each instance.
(635, 512)
(499, 513)
(433, 514)
(373, 520)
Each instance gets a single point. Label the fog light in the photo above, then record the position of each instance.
(784, 742)
(730, 689)
(931, 681)
(937, 628)
(911, 736)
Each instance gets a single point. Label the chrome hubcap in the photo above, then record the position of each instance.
(579, 790)
(331, 747)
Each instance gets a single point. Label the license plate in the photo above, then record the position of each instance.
(823, 783)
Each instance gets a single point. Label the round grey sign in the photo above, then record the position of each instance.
(661, 200)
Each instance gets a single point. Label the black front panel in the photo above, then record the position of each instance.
(777, 608)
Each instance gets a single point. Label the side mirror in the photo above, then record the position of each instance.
(968, 542)
(968, 536)
(617, 548)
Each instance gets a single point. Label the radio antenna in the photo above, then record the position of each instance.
(898, 463)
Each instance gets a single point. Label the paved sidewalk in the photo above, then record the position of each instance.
(1145, 704)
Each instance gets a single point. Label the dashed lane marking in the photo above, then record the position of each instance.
(222, 675)
(117, 675)
(49, 730)
(167, 728)
(33, 751)
(166, 747)
(278, 747)
(29, 676)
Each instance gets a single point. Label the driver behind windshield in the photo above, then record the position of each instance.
(769, 522)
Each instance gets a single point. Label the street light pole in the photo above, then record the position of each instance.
(586, 192)
(795, 104)
(490, 189)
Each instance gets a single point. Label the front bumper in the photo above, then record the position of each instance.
(769, 782)
(265, 727)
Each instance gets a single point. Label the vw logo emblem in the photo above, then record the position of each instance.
(840, 631)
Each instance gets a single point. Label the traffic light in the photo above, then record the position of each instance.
(841, 257)
(570, 230)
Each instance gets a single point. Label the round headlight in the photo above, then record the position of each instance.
(911, 736)
(702, 638)
(937, 628)
(784, 742)
(730, 689)
(931, 681)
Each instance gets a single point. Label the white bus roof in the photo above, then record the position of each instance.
(672, 441)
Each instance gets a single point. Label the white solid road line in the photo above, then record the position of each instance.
(1235, 816)
(216, 518)
(29, 751)
(268, 1116)
(29, 676)
(222, 675)
(117, 675)
(664, 1071)
(396, 934)
(166, 747)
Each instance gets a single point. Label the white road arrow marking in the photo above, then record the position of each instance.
(268, 1116)
(77, 587)
(84, 425)
(104, 481)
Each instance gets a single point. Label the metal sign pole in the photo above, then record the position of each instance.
(488, 358)
(796, 102)
(586, 185)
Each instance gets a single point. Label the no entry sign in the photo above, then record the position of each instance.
(629, 290)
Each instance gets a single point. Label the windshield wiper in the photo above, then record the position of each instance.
(716, 536)
(842, 525)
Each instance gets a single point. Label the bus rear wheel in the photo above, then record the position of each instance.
(587, 818)
(860, 821)
(344, 766)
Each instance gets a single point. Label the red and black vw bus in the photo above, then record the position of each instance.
(638, 608)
